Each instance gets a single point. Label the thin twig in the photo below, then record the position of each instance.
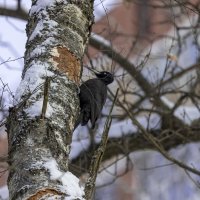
(46, 94)
(157, 144)
(98, 154)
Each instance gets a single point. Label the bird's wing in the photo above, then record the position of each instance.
(98, 102)
(92, 98)
(85, 103)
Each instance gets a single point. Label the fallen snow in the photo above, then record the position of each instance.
(41, 5)
(70, 183)
(31, 84)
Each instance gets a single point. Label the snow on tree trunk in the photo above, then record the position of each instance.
(41, 124)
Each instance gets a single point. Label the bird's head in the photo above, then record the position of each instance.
(105, 76)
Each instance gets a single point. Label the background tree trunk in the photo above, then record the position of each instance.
(41, 124)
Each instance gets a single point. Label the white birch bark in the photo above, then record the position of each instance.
(41, 124)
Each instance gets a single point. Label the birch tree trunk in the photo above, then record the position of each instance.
(41, 124)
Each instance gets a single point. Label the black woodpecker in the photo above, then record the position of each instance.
(93, 94)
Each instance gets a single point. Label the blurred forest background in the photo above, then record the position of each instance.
(152, 47)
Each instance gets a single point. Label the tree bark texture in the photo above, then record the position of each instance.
(41, 124)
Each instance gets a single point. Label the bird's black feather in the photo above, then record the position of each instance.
(93, 94)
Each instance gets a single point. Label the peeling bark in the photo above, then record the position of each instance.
(68, 64)
(41, 124)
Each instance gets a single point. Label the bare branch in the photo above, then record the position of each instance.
(19, 14)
